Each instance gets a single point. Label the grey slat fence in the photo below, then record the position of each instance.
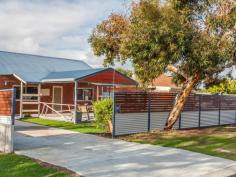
(136, 112)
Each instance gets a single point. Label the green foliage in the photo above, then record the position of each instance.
(103, 113)
(126, 72)
(227, 86)
(197, 37)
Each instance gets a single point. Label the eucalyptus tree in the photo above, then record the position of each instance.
(193, 39)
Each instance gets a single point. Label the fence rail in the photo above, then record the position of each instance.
(141, 112)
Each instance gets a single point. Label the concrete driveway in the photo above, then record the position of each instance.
(94, 156)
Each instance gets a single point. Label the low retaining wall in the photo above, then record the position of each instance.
(6, 136)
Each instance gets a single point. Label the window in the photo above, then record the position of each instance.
(30, 91)
(85, 94)
(17, 93)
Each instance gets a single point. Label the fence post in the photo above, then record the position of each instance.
(13, 107)
(235, 117)
(149, 112)
(199, 111)
(113, 116)
(180, 120)
(219, 105)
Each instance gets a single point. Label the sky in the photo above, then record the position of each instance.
(58, 28)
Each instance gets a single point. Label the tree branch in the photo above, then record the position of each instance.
(173, 69)
(217, 70)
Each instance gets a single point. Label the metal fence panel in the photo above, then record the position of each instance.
(209, 118)
(140, 112)
(189, 119)
(128, 123)
(158, 120)
(228, 117)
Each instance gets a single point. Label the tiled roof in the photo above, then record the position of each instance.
(164, 81)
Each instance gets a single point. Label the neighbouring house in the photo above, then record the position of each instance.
(50, 85)
(164, 83)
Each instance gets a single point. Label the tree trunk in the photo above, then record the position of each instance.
(180, 101)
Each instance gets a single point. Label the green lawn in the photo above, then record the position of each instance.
(89, 128)
(12, 165)
(219, 141)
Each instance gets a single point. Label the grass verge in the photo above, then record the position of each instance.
(220, 141)
(12, 165)
(89, 128)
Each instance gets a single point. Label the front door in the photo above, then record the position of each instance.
(57, 98)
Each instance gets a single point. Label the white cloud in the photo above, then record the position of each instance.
(56, 28)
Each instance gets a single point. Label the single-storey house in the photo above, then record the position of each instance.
(164, 83)
(55, 85)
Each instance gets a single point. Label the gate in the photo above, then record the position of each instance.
(7, 119)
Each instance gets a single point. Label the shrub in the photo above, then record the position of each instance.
(103, 113)
(227, 86)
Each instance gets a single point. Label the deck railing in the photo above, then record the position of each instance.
(49, 110)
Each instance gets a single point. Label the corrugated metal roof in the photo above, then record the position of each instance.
(33, 68)
(71, 75)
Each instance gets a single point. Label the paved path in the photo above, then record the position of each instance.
(94, 156)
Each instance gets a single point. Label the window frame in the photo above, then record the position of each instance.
(84, 88)
(27, 94)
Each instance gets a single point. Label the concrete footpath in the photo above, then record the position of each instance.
(94, 156)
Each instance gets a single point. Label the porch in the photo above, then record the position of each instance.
(58, 100)
(68, 96)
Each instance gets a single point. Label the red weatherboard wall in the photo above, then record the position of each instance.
(6, 103)
(7, 82)
(107, 77)
(68, 91)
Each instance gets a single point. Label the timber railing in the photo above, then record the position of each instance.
(64, 111)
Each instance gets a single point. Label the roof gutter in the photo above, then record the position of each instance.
(57, 80)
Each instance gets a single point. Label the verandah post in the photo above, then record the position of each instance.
(21, 99)
(75, 100)
(39, 99)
